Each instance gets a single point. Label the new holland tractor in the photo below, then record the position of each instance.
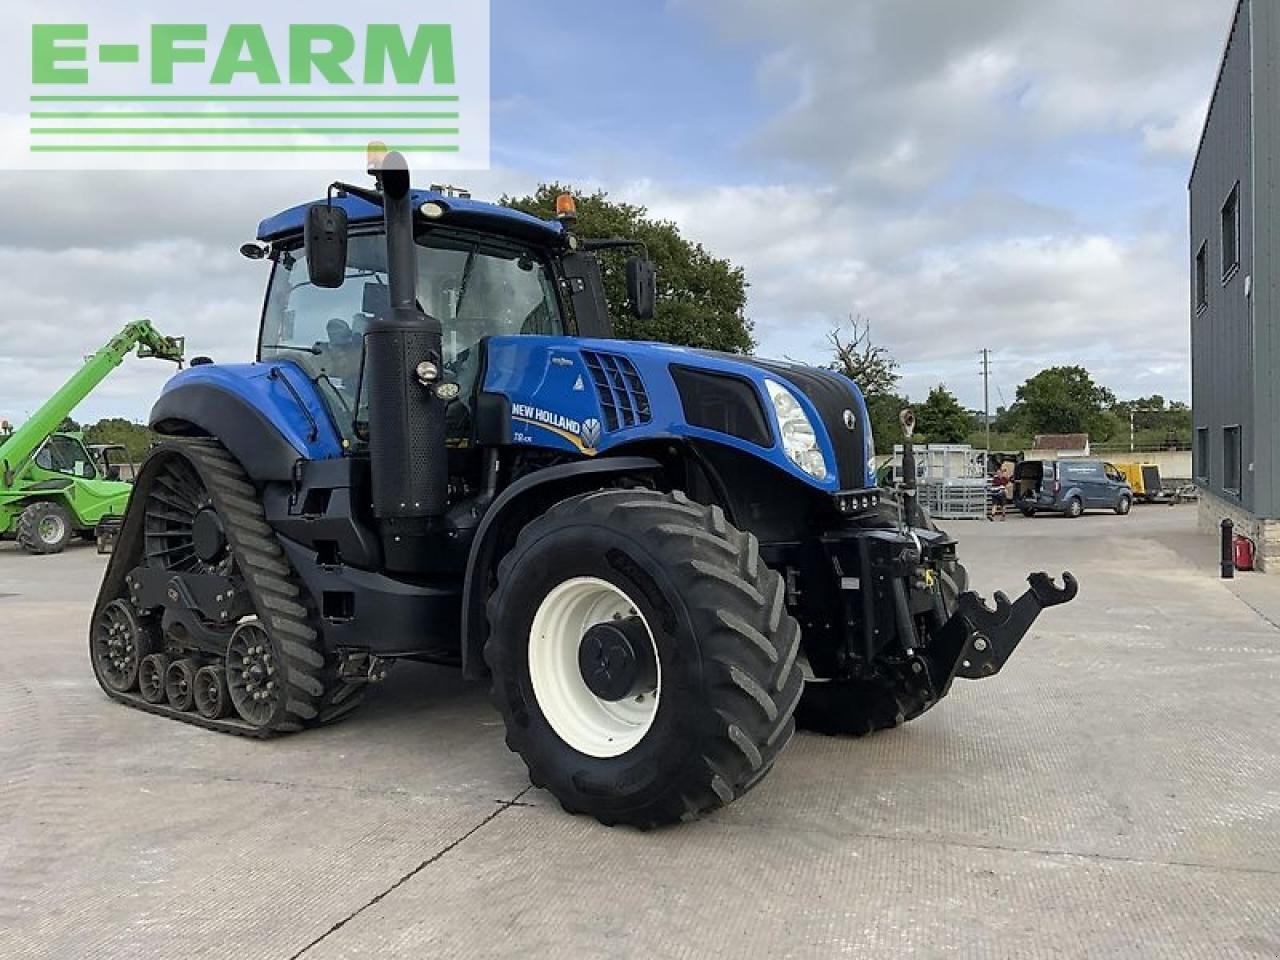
(661, 558)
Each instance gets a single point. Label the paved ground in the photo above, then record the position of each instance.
(1114, 792)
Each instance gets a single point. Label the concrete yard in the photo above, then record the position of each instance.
(1114, 792)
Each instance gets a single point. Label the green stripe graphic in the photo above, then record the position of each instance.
(238, 131)
(230, 148)
(264, 98)
(222, 115)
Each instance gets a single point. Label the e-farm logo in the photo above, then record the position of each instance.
(261, 95)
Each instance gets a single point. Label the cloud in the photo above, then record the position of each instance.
(996, 174)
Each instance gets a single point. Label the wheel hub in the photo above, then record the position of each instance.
(208, 535)
(616, 659)
(594, 668)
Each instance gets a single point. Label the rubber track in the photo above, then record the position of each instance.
(276, 596)
(748, 641)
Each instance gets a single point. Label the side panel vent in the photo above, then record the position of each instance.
(620, 389)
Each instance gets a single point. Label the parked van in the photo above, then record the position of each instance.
(1070, 487)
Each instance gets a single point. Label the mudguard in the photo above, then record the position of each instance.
(535, 491)
(268, 415)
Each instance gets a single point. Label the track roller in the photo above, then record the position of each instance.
(211, 696)
(119, 643)
(180, 684)
(151, 676)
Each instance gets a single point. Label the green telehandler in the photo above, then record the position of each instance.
(52, 486)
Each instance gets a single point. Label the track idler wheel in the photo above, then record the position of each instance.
(252, 674)
(212, 699)
(180, 684)
(151, 674)
(120, 641)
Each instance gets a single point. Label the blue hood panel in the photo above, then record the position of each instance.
(556, 403)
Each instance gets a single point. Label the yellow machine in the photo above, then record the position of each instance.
(1143, 478)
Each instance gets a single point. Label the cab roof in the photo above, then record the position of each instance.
(460, 212)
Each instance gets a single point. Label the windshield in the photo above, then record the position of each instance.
(475, 288)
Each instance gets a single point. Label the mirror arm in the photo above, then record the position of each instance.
(612, 243)
(366, 194)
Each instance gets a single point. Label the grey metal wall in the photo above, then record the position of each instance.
(1265, 17)
(1222, 349)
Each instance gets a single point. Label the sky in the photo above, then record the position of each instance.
(1007, 175)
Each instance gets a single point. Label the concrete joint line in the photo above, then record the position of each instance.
(438, 855)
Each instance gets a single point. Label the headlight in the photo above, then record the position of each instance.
(799, 439)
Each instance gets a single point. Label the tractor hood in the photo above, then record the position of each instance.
(593, 396)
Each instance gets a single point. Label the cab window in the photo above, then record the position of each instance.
(474, 287)
(1113, 474)
(66, 455)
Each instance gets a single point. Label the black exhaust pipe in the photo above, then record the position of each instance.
(403, 367)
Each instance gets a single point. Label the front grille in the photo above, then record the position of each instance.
(623, 399)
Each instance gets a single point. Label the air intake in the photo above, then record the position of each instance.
(620, 389)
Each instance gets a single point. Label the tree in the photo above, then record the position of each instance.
(134, 437)
(872, 368)
(701, 299)
(1065, 400)
(1156, 421)
(875, 371)
(941, 419)
(69, 425)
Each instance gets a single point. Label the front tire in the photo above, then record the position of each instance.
(44, 528)
(1124, 504)
(642, 657)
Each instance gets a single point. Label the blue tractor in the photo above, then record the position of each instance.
(662, 558)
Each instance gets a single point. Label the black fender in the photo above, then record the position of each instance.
(526, 498)
(201, 409)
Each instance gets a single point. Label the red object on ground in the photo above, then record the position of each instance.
(1244, 552)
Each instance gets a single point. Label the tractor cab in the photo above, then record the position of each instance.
(481, 271)
(66, 454)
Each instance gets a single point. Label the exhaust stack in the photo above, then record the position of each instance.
(403, 367)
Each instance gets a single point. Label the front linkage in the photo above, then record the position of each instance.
(908, 625)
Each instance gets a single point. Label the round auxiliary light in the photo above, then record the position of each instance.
(432, 210)
(427, 372)
(448, 391)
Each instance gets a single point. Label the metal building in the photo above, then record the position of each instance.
(1235, 285)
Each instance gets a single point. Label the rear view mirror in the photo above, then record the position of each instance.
(325, 236)
(642, 287)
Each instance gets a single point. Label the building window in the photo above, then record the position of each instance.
(1231, 234)
(1231, 459)
(1201, 466)
(1202, 277)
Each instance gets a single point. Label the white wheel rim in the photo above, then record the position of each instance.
(596, 727)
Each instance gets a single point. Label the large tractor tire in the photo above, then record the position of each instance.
(44, 527)
(194, 511)
(887, 698)
(642, 657)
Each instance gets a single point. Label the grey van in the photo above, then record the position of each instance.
(1070, 487)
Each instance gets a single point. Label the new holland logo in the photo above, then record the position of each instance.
(585, 435)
